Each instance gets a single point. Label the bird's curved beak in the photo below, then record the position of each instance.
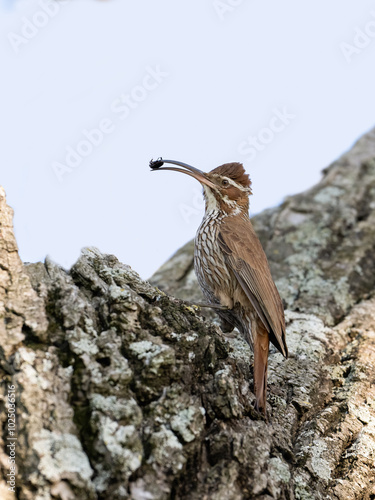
(187, 169)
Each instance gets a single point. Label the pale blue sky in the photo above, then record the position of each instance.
(195, 81)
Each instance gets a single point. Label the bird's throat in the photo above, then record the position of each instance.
(212, 203)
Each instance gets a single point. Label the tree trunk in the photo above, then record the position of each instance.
(120, 391)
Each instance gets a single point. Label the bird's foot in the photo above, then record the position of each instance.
(261, 410)
(211, 306)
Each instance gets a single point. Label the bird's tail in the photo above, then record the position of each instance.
(261, 347)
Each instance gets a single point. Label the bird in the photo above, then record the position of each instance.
(232, 268)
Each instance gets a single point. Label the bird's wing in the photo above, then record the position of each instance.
(245, 256)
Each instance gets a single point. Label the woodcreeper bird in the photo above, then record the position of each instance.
(232, 268)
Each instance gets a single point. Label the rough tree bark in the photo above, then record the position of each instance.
(124, 392)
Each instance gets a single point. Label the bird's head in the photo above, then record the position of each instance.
(226, 188)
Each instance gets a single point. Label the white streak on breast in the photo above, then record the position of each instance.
(211, 202)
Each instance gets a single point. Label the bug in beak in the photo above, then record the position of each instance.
(187, 169)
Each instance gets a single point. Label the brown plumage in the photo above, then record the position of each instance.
(232, 268)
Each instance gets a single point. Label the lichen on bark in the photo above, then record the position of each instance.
(123, 391)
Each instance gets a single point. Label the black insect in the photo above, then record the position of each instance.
(157, 163)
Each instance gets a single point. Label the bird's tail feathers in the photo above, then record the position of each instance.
(261, 348)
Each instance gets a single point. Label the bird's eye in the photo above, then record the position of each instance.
(225, 182)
